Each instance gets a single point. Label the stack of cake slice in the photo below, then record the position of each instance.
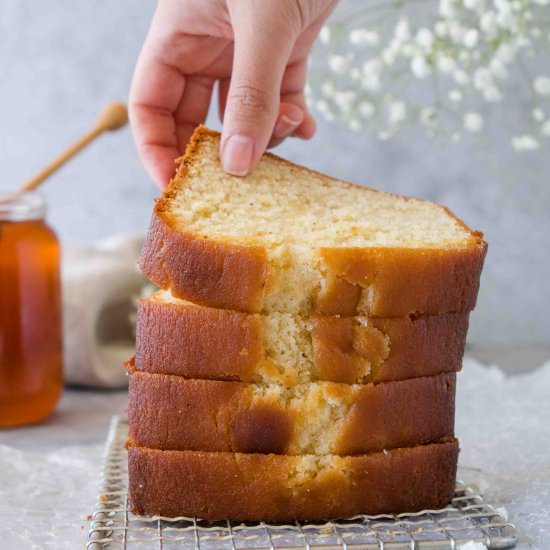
(299, 360)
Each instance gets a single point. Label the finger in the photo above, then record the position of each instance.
(307, 128)
(156, 90)
(223, 90)
(293, 119)
(193, 107)
(292, 91)
(264, 38)
(290, 117)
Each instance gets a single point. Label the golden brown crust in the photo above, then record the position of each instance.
(259, 487)
(213, 272)
(207, 343)
(400, 281)
(197, 342)
(203, 270)
(172, 413)
(390, 348)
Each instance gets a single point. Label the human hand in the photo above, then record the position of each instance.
(256, 50)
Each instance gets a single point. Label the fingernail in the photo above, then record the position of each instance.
(237, 153)
(285, 126)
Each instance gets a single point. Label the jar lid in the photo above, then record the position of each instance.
(19, 207)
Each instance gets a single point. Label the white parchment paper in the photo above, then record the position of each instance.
(45, 498)
(503, 422)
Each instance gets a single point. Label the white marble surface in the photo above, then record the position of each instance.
(49, 473)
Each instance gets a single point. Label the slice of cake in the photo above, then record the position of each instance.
(286, 239)
(182, 338)
(279, 488)
(173, 413)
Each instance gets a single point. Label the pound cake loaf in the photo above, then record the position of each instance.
(182, 338)
(299, 360)
(280, 488)
(172, 413)
(286, 239)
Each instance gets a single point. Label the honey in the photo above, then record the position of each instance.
(31, 351)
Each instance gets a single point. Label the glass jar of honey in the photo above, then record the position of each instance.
(31, 350)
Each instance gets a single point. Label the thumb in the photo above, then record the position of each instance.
(264, 38)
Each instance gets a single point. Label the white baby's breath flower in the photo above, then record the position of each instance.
(488, 23)
(428, 117)
(471, 38)
(446, 64)
(455, 96)
(397, 111)
(456, 31)
(503, 6)
(506, 20)
(474, 5)
(541, 85)
(372, 38)
(384, 135)
(402, 31)
(441, 29)
(363, 36)
(372, 66)
(506, 53)
(371, 83)
(498, 69)
(344, 99)
(537, 114)
(424, 38)
(354, 124)
(473, 45)
(322, 106)
(371, 75)
(327, 88)
(525, 143)
(482, 78)
(461, 77)
(338, 64)
(447, 8)
(473, 122)
(388, 56)
(420, 67)
(366, 109)
(492, 94)
(324, 35)
(408, 50)
(523, 41)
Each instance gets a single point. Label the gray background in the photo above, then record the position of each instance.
(61, 60)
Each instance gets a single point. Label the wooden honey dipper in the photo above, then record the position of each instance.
(113, 117)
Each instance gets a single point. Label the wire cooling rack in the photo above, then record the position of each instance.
(112, 526)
